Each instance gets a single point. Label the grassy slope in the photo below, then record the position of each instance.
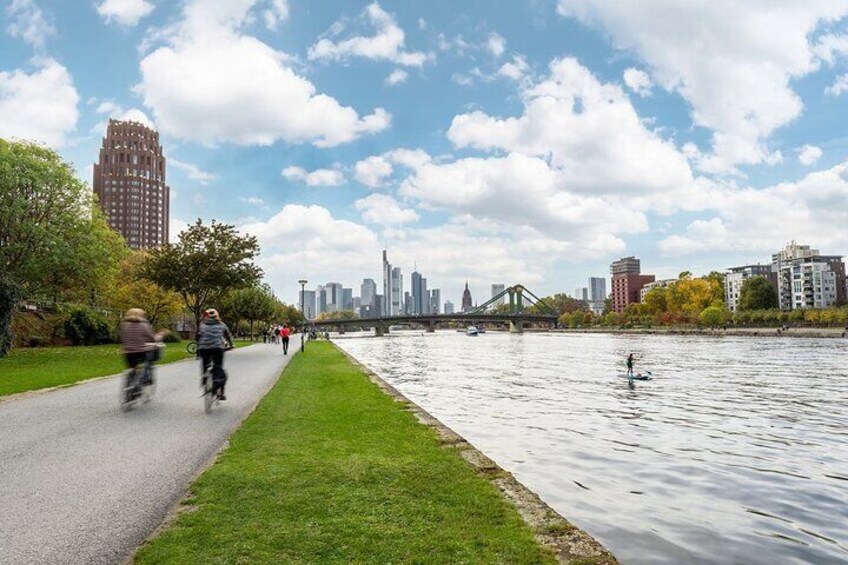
(32, 369)
(329, 469)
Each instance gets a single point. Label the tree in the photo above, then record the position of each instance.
(338, 315)
(757, 294)
(253, 303)
(656, 301)
(561, 303)
(714, 316)
(131, 290)
(207, 261)
(42, 204)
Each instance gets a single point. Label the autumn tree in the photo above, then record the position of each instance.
(207, 261)
(131, 290)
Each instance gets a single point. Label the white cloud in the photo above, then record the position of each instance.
(398, 76)
(736, 76)
(496, 45)
(318, 177)
(586, 129)
(124, 12)
(41, 106)
(461, 79)
(809, 154)
(514, 69)
(303, 241)
(29, 23)
(373, 171)
(638, 81)
(384, 210)
(839, 86)
(277, 13)
(193, 171)
(252, 200)
(750, 220)
(211, 83)
(386, 44)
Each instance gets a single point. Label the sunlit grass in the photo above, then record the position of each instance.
(329, 469)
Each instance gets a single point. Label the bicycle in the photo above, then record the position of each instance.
(191, 348)
(139, 384)
(207, 385)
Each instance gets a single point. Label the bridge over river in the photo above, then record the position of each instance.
(523, 307)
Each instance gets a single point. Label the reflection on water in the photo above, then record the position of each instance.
(737, 452)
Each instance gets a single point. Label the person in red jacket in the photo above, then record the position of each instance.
(284, 333)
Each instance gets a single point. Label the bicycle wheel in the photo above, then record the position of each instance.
(191, 347)
(149, 384)
(208, 397)
(127, 390)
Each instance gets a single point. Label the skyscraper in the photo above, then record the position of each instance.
(129, 181)
(496, 290)
(367, 291)
(597, 289)
(392, 288)
(435, 301)
(448, 307)
(467, 303)
(420, 296)
(307, 301)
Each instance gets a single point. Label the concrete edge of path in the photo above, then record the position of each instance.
(179, 505)
(551, 530)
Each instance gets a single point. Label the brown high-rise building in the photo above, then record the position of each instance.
(627, 282)
(129, 181)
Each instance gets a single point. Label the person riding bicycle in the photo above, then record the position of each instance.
(138, 340)
(213, 338)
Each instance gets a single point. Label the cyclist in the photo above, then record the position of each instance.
(213, 338)
(138, 340)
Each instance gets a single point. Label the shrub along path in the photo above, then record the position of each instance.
(44, 367)
(329, 469)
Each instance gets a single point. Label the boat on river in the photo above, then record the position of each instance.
(471, 330)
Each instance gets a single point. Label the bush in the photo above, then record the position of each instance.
(84, 326)
(37, 341)
(172, 337)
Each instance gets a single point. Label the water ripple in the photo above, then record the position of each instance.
(735, 453)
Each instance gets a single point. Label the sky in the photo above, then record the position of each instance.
(510, 142)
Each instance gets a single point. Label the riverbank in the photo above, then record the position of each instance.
(37, 368)
(839, 333)
(330, 469)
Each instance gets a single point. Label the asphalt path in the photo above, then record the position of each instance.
(83, 482)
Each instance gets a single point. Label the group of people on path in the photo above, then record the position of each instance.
(278, 335)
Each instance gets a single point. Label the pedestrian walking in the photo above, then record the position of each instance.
(284, 334)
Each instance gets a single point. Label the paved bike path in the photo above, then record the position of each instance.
(83, 482)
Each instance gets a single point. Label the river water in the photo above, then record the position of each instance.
(736, 452)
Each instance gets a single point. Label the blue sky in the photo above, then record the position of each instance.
(507, 142)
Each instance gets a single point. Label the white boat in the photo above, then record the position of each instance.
(481, 330)
(471, 330)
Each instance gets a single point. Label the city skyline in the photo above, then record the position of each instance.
(527, 143)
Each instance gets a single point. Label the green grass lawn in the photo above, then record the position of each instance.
(44, 367)
(329, 469)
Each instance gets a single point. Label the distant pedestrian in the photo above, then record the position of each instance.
(284, 334)
(276, 335)
(630, 365)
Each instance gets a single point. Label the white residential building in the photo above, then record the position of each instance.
(664, 283)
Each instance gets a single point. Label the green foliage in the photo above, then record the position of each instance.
(252, 304)
(714, 316)
(757, 293)
(207, 261)
(561, 303)
(172, 337)
(86, 326)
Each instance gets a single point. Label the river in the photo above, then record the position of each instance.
(736, 452)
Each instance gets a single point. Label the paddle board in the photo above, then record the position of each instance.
(636, 377)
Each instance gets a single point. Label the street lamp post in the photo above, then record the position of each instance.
(302, 312)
